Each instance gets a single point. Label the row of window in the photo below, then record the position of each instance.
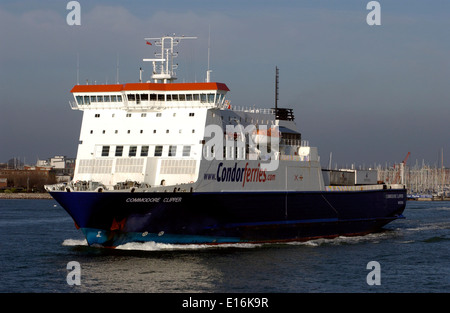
(138, 98)
(192, 114)
(95, 99)
(145, 151)
(169, 150)
(141, 131)
(159, 114)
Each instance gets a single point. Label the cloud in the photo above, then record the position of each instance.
(351, 85)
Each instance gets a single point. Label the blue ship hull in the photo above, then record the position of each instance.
(111, 219)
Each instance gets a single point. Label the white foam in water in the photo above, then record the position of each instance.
(340, 240)
(75, 242)
(154, 246)
(427, 227)
(310, 243)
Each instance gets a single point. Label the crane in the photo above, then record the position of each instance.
(400, 172)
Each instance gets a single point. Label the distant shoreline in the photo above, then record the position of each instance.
(21, 195)
(47, 196)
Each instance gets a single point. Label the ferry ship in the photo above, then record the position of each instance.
(177, 163)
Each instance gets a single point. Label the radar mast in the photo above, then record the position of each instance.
(163, 66)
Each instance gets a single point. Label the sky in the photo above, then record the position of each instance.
(367, 94)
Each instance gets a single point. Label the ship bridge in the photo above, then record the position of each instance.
(158, 94)
(149, 96)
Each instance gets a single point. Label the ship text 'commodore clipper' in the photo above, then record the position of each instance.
(177, 163)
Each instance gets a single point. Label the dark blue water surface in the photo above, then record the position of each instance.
(38, 239)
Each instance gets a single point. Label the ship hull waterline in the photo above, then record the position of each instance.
(110, 219)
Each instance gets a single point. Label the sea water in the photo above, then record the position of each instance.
(39, 240)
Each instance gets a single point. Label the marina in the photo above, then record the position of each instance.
(424, 183)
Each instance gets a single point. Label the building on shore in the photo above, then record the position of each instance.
(62, 166)
(32, 178)
(3, 183)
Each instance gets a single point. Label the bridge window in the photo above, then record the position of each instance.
(79, 99)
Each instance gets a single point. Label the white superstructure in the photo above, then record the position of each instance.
(154, 135)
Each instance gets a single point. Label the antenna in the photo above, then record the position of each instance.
(78, 68)
(208, 72)
(165, 70)
(117, 69)
(276, 90)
